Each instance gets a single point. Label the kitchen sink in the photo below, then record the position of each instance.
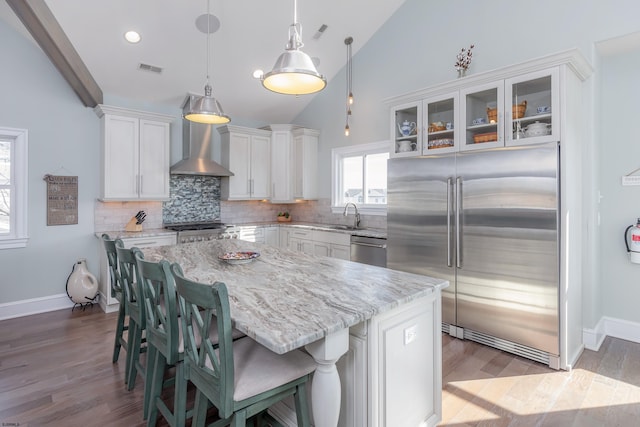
(343, 227)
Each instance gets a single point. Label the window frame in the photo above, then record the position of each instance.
(17, 236)
(339, 153)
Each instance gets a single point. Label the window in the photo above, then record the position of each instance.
(360, 176)
(13, 188)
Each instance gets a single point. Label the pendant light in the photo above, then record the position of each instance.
(207, 109)
(294, 72)
(349, 68)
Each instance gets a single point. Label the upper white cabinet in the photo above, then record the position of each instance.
(305, 146)
(135, 154)
(441, 123)
(294, 153)
(482, 129)
(406, 129)
(245, 152)
(535, 107)
(512, 106)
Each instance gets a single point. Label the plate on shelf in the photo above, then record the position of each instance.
(238, 257)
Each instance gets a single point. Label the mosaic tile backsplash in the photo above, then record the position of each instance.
(193, 198)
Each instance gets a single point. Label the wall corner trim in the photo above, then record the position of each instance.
(609, 326)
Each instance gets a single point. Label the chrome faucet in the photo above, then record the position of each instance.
(356, 220)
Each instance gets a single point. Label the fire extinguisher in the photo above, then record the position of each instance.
(634, 249)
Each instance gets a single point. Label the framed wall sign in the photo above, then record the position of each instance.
(62, 199)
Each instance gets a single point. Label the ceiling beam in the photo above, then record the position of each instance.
(47, 32)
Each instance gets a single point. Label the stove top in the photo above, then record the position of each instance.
(188, 226)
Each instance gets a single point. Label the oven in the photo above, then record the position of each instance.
(189, 232)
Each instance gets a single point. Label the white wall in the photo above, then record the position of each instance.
(416, 48)
(619, 154)
(62, 133)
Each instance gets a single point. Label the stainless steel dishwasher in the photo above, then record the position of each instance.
(369, 250)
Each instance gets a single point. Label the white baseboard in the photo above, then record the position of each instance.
(27, 307)
(608, 326)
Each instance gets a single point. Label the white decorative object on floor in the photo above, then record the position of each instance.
(82, 286)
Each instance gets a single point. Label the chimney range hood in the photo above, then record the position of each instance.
(196, 148)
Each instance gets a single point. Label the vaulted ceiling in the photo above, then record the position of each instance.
(252, 35)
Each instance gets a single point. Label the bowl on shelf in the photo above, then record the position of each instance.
(537, 129)
(479, 121)
(544, 109)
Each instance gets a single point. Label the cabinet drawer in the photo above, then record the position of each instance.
(330, 237)
(301, 234)
(149, 242)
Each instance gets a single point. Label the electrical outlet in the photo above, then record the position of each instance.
(410, 334)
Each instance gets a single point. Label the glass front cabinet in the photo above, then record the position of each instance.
(481, 115)
(440, 120)
(535, 102)
(406, 128)
(515, 111)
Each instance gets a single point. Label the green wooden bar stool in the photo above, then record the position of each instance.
(240, 378)
(163, 341)
(117, 293)
(137, 321)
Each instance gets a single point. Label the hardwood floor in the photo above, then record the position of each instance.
(483, 386)
(56, 370)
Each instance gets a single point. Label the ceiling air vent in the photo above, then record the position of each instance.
(151, 68)
(320, 31)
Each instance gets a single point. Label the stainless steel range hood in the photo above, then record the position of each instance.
(196, 148)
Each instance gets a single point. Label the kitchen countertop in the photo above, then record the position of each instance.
(367, 232)
(286, 299)
(121, 234)
(153, 232)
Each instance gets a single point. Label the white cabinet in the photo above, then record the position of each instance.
(305, 146)
(135, 154)
(406, 129)
(252, 233)
(509, 109)
(246, 153)
(334, 245)
(301, 240)
(317, 242)
(540, 122)
(441, 123)
(294, 153)
(482, 130)
(272, 236)
(107, 302)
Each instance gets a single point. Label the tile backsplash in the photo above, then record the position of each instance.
(113, 216)
(194, 198)
(197, 198)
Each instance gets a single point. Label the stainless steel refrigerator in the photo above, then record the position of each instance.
(487, 221)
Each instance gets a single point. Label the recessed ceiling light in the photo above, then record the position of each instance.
(258, 73)
(132, 36)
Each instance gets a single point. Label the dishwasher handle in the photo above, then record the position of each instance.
(371, 245)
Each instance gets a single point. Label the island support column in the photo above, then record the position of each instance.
(325, 391)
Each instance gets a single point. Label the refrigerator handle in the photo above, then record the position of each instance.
(458, 209)
(449, 190)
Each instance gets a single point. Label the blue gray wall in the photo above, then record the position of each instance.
(62, 133)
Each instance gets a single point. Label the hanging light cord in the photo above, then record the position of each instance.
(348, 42)
(208, 41)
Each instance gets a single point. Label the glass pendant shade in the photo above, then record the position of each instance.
(207, 110)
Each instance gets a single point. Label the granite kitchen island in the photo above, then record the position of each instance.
(385, 322)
